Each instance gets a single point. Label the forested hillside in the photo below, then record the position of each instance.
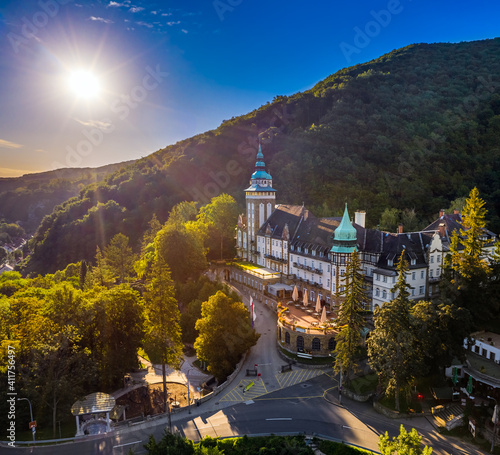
(27, 199)
(414, 129)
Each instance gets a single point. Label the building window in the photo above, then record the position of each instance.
(377, 292)
(328, 268)
(389, 262)
(432, 259)
(287, 338)
(492, 356)
(413, 276)
(331, 344)
(438, 259)
(421, 274)
(385, 279)
(316, 344)
(413, 292)
(300, 344)
(438, 272)
(384, 294)
(421, 289)
(476, 349)
(485, 353)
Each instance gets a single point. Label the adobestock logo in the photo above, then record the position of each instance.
(363, 36)
(40, 19)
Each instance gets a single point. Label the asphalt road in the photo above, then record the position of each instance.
(300, 408)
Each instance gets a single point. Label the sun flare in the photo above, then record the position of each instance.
(83, 84)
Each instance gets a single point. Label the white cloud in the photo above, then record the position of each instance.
(93, 123)
(115, 4)
(136, 9)
(9, 145)
(145, 24)
(184, 31)
(166, 14)
(101, 19)
(173, 23)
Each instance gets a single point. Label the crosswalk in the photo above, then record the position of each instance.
(248, 389)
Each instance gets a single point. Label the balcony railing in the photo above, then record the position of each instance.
(309, 269)
(274, 258)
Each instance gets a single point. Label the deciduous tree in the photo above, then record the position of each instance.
(225, 334)
(403, 444)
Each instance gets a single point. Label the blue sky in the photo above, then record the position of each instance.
(169, 70)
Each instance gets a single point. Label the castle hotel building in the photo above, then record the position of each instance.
(313, 253)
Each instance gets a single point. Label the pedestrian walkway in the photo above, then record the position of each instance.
(247, 389)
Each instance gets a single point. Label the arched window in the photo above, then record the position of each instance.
(331, 344)
(384, 294)
(300, 344)
(377, 292)
(316, 344)
(287, 338)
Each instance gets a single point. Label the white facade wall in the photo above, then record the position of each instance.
(485, 348)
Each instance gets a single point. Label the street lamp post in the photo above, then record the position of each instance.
(189, 399)
(33, 429)
(495, 420)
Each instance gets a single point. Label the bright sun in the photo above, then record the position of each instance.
(84, 84)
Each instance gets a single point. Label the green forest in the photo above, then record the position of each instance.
(26, 200)
(412, 130)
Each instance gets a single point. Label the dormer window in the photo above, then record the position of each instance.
(413, 261)
(390, 262)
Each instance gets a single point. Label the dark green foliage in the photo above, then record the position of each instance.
(175, 444)
(170, 444)
(336, 448)
(415, 129)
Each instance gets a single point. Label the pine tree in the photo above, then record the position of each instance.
(467, 273)
(350, 319)
(163, 333)
(391, 350)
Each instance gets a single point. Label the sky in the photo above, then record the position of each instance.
(88, 83)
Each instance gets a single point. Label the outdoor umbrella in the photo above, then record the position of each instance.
(469, 385)
(318, 305)
(295, 294)
(323, 315)
(305, 300)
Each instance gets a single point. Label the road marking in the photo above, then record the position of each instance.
(281, 418)
(127, 444)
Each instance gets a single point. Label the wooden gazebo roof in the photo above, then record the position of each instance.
(94, 403)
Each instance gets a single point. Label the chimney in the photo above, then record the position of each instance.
(456, 212)
(441, 213)
(360, 218)
(400, 228)
(442, 229)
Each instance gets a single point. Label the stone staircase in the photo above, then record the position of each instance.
(449, 416)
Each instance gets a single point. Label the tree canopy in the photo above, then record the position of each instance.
(225, 334)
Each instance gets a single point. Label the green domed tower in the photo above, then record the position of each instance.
(344, 243)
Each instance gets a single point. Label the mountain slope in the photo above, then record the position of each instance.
(416, 128)
(29, 198)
